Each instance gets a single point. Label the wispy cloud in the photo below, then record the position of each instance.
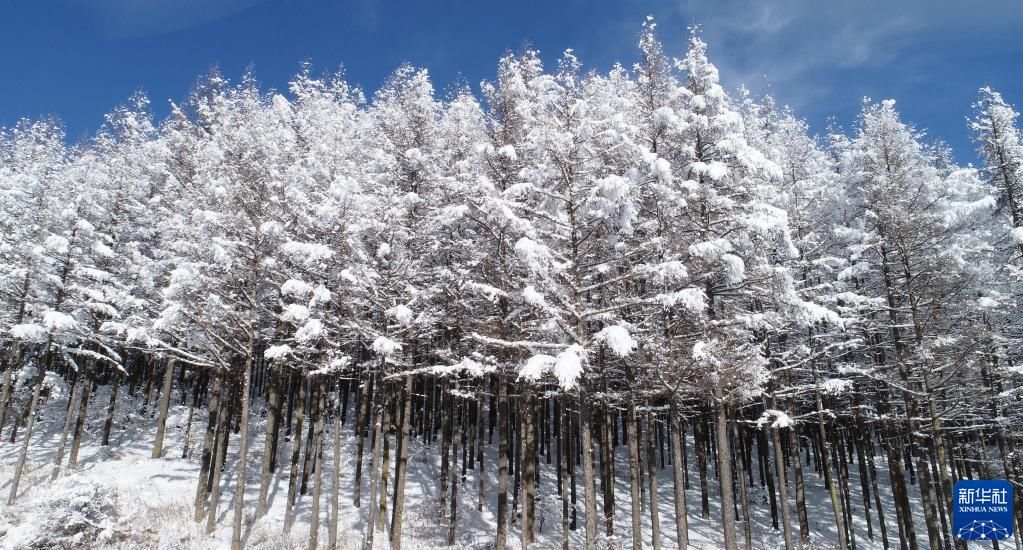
(786, 44)
(133, 18)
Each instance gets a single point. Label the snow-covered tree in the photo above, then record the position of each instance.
(995, 129)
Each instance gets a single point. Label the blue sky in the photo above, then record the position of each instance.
(79, 58)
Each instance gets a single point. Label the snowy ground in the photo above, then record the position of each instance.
(121, 498)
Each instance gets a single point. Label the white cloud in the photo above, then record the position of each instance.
(133, 18)
(780, 45)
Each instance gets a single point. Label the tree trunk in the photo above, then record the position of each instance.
(399, 412)
(480, 470)
(454, 437)
(607, 459)
(515, 461)
(296, 454)
(314, 519)
(745, 467)
(165, 397)
(361, 428)
(930, 501)
(797, 473)
(836, 505)
(655, 521)
(783, 488)
(897, 479)
(445, 445)
(501, 541)
(115, 384)
(872, 471)
(842, 471)
(23, 456)
(632, 435)
(528, 408)
(385, 459)
(700, 433)
(764, 462)
(6, 385)
(941, 462)
(859, 440)
(335, 475)
(589, 477)
(725, 478)
(374, 477)
(676, 436)
(188, 430)
(401, 469)
(243, 447)
(207, 449)
(310, 456)
(223, 436)
(270, 446)
(83, 413)
(148, 393)
(280, 379)
(68, 416)
(564, 435)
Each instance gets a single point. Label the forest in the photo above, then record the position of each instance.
(554, 284)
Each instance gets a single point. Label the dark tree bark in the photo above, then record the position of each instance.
(453, 513)
(564, 452)
(270, 445)
(108, 425)
(83, 413)
(296, 454)
(361, 425)
(58, 459)
(501, 540)
(314, 520)
(655, 521)
(677, 436)
(743, 465)
(223, 436)
(528, 410)
(37, 386)
(632, 436)
(607, 458)
(335, 478)
(836, 504)
(207, 449)
(701, 435)
(401, 469)
(724, 461)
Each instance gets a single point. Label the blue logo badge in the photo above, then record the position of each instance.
(982, 509)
